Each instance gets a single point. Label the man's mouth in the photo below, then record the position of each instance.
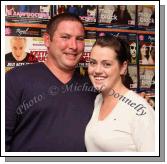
(71, 56)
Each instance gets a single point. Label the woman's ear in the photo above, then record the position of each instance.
(46, 38)
(124, 67)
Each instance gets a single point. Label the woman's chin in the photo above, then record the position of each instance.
(100, 88)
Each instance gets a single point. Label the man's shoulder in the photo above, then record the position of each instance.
(10, 53)
(8, 56)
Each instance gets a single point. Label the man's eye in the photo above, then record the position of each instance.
(80, 38)
(107, 64)
(65, 37)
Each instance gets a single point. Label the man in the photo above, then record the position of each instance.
(133, 52)
(18, 53)
(49, 104)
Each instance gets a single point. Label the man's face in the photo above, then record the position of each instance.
(18, 46)
(133, 50)
(67, 45)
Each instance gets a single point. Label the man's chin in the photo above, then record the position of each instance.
(69, 68)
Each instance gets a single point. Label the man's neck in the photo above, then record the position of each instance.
(63, 75)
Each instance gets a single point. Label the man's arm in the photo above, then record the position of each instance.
(11, 103)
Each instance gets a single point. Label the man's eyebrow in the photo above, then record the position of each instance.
(72, 35)
(64, 34)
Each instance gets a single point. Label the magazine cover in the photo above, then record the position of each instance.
(117, 16)
(146, 17)
(87, 13)
(21, 50)
(90, 38)
(131, 77)
(35, 14)
(147, 77)
(147, 49)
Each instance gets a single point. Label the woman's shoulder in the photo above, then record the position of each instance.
(138, 103)
(136, 97)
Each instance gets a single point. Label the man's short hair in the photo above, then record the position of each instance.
(56, 20)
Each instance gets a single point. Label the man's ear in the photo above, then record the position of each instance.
(46, 38)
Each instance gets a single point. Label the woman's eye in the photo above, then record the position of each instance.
(91, 63)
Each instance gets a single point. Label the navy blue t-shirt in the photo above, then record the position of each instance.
(44, 115)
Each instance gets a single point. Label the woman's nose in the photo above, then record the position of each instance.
(98, 69)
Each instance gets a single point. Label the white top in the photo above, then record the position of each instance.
(130, 127)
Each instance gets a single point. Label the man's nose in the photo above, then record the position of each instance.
(73, 44)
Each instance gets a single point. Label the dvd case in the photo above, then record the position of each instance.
(87, 13)
(117, 16)
(147, 77)
(146, 17)
(131, 77)
(24, 31)
(21, 50)
(90, 38)
(146, 49)
(28, 14)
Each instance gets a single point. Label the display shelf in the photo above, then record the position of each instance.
(119, 30)
(86, 28)
(25, 25)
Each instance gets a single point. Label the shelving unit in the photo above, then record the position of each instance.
(86, 28)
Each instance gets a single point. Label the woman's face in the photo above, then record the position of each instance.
(122, 7)
(104, 69)
(143, 50)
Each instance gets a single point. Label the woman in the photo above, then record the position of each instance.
(122, 121)
(122, 15)
(144, 54)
